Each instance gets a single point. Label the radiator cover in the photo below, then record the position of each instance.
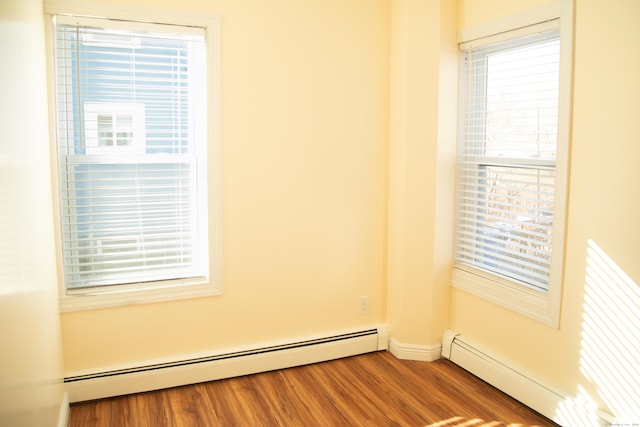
(192, 369)
(520, 384)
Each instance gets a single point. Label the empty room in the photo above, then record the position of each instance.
(320, 212)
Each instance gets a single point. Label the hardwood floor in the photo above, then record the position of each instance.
(374, 389)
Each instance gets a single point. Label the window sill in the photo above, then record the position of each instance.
(133, 296)
(534, 304)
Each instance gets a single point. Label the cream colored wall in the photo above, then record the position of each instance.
(477, 12)
(31, 391)
(421, 159)
(304, 126)
(594, 353)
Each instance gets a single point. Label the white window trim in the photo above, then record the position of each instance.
(173, 289)
(543, 307)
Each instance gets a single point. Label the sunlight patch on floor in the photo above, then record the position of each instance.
(464, 422)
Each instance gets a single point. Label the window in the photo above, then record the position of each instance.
(131, 114)
(512, 170)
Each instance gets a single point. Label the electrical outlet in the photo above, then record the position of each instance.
(363, 305)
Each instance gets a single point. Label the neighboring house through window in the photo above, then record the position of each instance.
(114, 128)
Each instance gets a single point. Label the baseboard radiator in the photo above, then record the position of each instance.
(519, 384)
(192, 369)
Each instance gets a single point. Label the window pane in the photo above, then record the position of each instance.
(522, 101)
(514, 218)
(124, 126)
(132, 222)
(105, 131)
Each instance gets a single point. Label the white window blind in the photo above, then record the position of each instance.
(507, 158)
(130, 102)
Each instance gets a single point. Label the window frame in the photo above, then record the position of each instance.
(538, 305)
(139, 293)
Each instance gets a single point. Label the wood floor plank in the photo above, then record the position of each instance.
(254, 408)
(339, 394)
(149, 410)
(95, 414)
(376, 393)
(223, 402)
(374, 389)
(121, 413)
(288, 408)
(313, 398)
(190, 406)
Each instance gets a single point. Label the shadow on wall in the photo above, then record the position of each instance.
(610, 347)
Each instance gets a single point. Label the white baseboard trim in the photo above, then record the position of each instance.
(63, 414)
(423, 353)
(521, 385)
(196, 368)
